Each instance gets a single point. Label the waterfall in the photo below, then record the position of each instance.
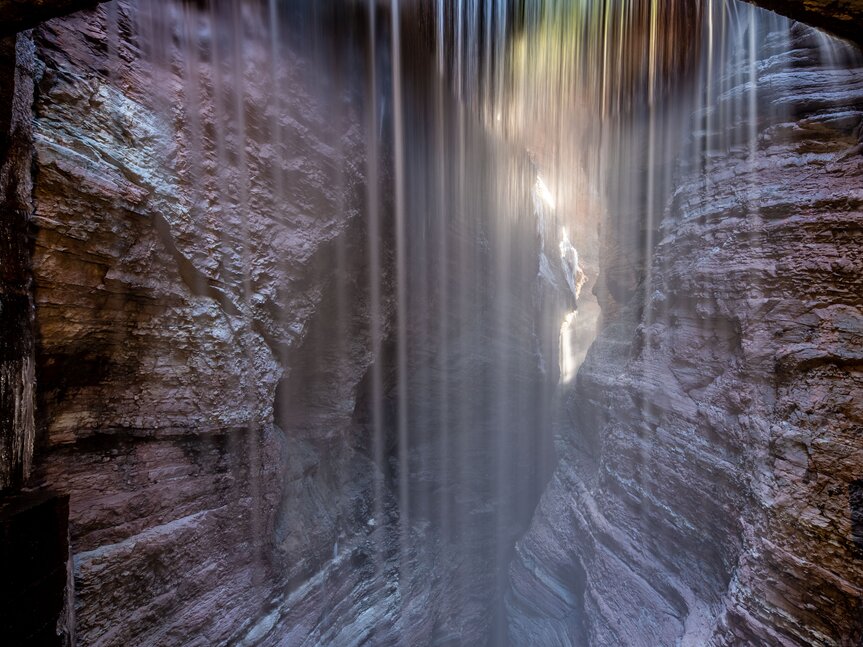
(414, 220)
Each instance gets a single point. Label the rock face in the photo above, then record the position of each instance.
(219, 387)
(157, 371)
(708, 491)
(206, 351)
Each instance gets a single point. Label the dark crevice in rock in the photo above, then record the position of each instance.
(24, 14)
(855, 501)
(17, 429)
(35, 591)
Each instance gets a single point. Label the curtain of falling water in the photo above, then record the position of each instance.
(422, 304)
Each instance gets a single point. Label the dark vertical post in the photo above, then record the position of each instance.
(36, 586)
(17, 378)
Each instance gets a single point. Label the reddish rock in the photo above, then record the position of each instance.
(706, 493)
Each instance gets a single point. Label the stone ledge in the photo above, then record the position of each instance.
(24, 14)
(843, 18)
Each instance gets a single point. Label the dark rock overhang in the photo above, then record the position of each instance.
(843, 18)
(24, 14)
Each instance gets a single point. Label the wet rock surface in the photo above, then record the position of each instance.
(204, 377)
(157, 369)
(203, 381)
(706, 489)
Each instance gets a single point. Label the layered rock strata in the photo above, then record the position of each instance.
(706, 492)
(160, 345)
(206, 350)
(215, 440)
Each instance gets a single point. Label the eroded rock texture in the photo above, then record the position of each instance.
(204, 376)
(708, 492)
(160, 345)
(205, 342)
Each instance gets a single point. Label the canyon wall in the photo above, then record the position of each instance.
(709, 487)
(160, 346)
(204, 378)
(205, 353)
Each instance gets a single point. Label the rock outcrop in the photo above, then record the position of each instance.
(160, 346)
(706, 491)
(841, 17)
(205, 341)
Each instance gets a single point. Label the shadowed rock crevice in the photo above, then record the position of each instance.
(855, 501)
(17, 388)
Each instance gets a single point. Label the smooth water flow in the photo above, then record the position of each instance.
(500, 173)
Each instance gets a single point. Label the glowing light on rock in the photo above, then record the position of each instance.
(568, 362)
(543, 192)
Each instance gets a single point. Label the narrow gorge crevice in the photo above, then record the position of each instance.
(668, 482)
(439, 323)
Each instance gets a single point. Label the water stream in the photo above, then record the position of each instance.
(498, 169)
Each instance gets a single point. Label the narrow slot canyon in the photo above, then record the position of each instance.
(499, 323)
